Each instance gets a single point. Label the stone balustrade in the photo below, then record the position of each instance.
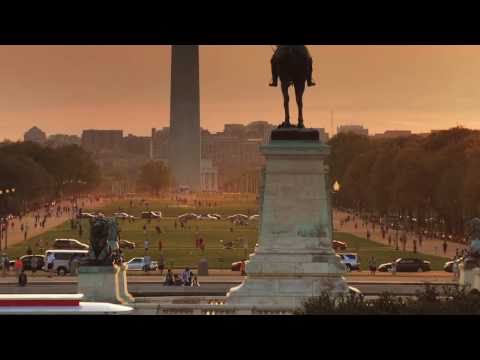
(213, 308)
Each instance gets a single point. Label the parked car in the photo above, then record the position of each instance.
(84, 215)
(27, 262)
(406, 265)
(448, 267)
(123, 215)
(187, 217)
(139, 264)
(350, 260)
(151, 215)
(63, 260)
(69, 244)
(237, 217)
(125, 244)
(206, 217)
(339, 245)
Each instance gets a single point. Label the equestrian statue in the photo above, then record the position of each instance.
(293, 65)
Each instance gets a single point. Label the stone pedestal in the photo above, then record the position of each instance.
(469, 278)
(294, 259)
(123, 285)
(100, 284)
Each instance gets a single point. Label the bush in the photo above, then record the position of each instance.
(453, 301)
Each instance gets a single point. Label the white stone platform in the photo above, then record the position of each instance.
(104, 284)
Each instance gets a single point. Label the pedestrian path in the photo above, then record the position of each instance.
(15, 235)
(429, 246)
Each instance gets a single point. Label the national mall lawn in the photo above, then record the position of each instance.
(178, 245)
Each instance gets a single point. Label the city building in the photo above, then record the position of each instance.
(232, 152)
(184, 139)
(324, 136)
(248, 182)
(208, 176)
(159, 144)
(102, 141)
(35, 135)
(58, 140)
(392, 134)
(232, 156)
(137, 145)
(356, 129)
(259, 130)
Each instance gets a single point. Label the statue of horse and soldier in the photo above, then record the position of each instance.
(293, 65)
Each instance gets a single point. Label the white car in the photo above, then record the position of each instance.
(139, 264)
(350, 260)
(207, 217)
(123, 215)
(187, 217)
(238, 217)
(151, 215)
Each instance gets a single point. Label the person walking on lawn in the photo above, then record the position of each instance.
(18, 267)
(372, 265)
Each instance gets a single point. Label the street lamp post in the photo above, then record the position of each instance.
(4, 216)
(335, 189)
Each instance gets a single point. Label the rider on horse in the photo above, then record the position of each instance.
(299, 49)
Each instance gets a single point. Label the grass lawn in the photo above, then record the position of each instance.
(178, 246)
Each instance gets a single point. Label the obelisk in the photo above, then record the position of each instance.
(184, 138)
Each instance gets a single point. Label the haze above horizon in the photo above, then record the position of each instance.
(65, 89)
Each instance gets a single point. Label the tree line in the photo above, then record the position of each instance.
(39, 174)
(422, 177)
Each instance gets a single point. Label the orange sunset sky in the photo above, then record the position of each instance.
(64, 89)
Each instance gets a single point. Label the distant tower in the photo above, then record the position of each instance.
(184, 140)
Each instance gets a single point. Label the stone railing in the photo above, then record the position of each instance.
(213, 307)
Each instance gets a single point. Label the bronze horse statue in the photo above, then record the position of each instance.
(293, 65)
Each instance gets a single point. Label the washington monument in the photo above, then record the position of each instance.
(184, 142)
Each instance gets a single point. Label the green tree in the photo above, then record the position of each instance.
(155, 176)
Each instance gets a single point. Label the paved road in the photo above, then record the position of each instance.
(15, 235)
(156, 289)
(228, 276)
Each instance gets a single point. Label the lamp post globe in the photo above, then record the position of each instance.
(336, 187)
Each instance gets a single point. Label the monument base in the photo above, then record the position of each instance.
(288, 280)
(294, 259)
(469, 278)
(100, 284)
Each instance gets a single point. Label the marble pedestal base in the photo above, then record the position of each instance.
(469, 278)
(100, 284)
(288, 280)
(294, 259)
